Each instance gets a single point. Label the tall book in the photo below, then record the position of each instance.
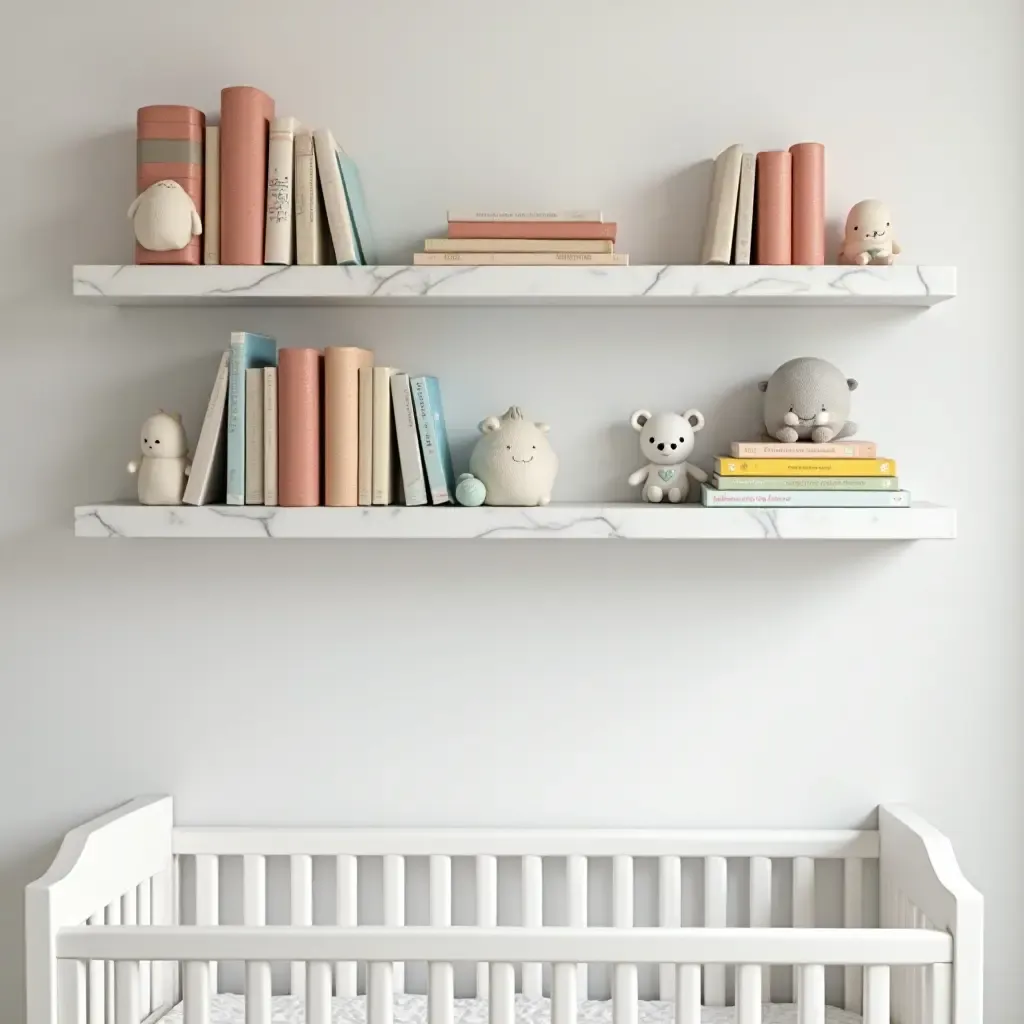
(808, 203)
(298, 426)
(254, 436)
(804, 450)
(804, 499)
(726, 466)
(279, 238)
(336, 204)
(169, 146)
(721, 218)
(309, 215)
(248, 351)
(744, 235)
(547, 229)
(365, 491)
(558, 216)
(245, 116)
(211, 197)
(206, 480)
(341, 423)
(270, 435)
(383, 438)
(408, 441)
(774, 208)
(426, 396)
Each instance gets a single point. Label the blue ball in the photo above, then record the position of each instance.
(470, 491)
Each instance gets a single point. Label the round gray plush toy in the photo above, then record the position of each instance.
(808, 399)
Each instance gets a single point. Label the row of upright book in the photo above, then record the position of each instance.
(304, 427)
(269, 190)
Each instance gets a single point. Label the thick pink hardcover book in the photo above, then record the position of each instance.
(245, 116)
(808, 203)
(299, 375)
(804, 450)
(774, 208)
(547, 229)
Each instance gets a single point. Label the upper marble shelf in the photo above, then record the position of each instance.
(513, 286)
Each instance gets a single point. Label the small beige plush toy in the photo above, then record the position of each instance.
(869, 236)
(164, 463)
(164, 217)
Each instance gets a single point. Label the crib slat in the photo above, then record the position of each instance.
(761, 910)
(440, 993)
(811, 995)
(576, 898)
(380, 993)
(394, 907)
(940, 991)
(208, 899)
(533, 917)
(563, 993)
(876, 995)
(162, 912)
(301, 911)
(486, 909)
(625, 994)
(346, 902)
(715, 906)
(198, 985)
(254, 889)
(687, 994)
(129, 915)
(622, 898)
(748, 994)
(670, 915)
(144, 900)
(318, 993)
(853, 917)
(72, 997)
(803, 901)
(97, 985)
(111, 916)
(440, 891)
(129, 1005)
(257, 992)
(501, 1005)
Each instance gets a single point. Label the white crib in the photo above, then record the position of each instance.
(128, 921)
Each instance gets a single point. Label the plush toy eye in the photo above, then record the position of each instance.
(681, 441)
(158, 440)
(509, 447)
(791, 409)
(823, 408)
(855, 228)
(145, 440)
(651, 439)
(886, 223)
(534, 447)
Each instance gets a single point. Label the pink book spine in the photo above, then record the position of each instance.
(245, 116)
(774, 209)
(808, 203)
(299, 374)
(543, 229)
(804, 450)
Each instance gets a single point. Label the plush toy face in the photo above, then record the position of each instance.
(668, 437)
(805, 393)
(163, 437)
(514, 458)
(869, 226)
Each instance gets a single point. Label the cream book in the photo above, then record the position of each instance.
(407, 438)
(721, 219)
(211, 197)
(208, 476)
(365, 435)
(520, 259)
(309, 215)
(336, 200)
(588, 216)
(744, 239)
(254, 436)
(595, 245)
(382, 435)
(270, 435)
(279, 238)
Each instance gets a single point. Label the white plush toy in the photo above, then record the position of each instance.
(666, 440)
(164, 463)
(164, 217)
(868, 238)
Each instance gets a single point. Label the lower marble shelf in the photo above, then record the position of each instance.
(627, 521)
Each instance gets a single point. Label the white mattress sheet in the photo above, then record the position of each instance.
(412, 1009)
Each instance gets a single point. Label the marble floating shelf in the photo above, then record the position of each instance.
(632, 521)
(901, 285)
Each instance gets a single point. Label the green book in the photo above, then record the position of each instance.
(806, 483)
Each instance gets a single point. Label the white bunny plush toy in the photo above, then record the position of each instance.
(164, 217)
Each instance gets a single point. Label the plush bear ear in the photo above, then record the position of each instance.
(695, 418)
(489, 425)
(543, 427)
(763, 386)
(638, 419)
(851, 384)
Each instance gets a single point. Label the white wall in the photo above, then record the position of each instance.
(524, 684)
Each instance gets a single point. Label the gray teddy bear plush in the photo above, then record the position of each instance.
(808, 399)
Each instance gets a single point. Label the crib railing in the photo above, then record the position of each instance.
(319, 949)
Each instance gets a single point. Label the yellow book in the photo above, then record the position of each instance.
(726, 466)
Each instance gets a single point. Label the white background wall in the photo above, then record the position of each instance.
(584, 683)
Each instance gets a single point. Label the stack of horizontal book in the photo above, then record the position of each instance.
(524, 238)
(842, 474)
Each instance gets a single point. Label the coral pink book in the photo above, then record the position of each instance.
(545, 229)
(774, 201)
(808, 203)
(245, 116)
(298, 426)
(804, 450)
(341, 423)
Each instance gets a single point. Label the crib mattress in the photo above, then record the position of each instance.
(412, 1009)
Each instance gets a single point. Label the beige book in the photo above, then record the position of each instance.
(341, 423)
(366, 435)
(211, 197)
(309, 219)
(520, 259)
(254, 436)
(745, 212)
(721, 219)
(270, 435)
(595, 245)
(383, 435)
(279, 233)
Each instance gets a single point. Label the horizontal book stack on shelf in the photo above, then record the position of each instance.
(842, 474)
(303, 427)
(509, 238)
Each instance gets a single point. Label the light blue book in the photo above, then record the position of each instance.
(714, 498)
(248, 351)
(366, 249)
(437, 458)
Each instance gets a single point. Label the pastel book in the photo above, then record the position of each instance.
(207, 478)
(803, 499)
(806, 483)
(426, 393)
(342, 365)
(344, 203)
(804, 450)
(728, 466)
(407, 438)
(247, 351)
(299, 385)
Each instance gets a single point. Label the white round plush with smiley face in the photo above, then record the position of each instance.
(868, 238)
(514, 460)
(666, 440)
(164, 464)
(164, 217)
